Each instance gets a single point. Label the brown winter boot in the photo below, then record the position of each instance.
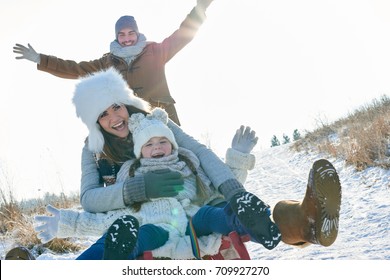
(315, 220)
(19, 253)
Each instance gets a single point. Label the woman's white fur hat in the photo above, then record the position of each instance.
(97, 92)
(146, 127)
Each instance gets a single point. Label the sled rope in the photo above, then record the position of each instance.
(194, 242)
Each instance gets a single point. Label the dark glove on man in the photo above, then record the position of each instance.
(163, 183)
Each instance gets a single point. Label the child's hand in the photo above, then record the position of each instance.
(163, 183)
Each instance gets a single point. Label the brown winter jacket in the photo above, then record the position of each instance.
(146, 74)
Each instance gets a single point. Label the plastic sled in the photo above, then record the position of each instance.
(232, 248)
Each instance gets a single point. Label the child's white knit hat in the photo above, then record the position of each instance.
(146, 127)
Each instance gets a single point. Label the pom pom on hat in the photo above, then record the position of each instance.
(96, 93)
(146, 127)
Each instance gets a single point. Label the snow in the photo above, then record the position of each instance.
(365, 208)
(281, 173)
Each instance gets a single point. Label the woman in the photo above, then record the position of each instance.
(142, 63)
(104, 103)
(314, 220)
(109, 144)
(311, 221)
(162, 224)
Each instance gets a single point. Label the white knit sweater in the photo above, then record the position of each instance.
(169, 213)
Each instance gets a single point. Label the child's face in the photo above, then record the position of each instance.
(127, 37)
(156, 147)
(114, 120)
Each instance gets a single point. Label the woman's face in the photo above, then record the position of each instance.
(127, 37)
(114, 120)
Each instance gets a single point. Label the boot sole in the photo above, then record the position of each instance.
(121, 238)
(327, 189)
(253, 214)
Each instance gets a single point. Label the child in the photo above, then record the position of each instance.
(155, 148)
(162, 224)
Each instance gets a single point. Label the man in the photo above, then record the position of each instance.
(141, 63)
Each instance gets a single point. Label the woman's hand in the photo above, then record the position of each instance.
(48, 227)
(244, 140)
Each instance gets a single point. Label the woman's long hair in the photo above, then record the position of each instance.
(201, 193)
(119, 150)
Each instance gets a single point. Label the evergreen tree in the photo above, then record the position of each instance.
(296, 135)
(275, 141)
(286, 139)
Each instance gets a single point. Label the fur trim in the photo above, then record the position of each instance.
(97, 92)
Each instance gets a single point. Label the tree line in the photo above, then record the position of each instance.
(286, 139)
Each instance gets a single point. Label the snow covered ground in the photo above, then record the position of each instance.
(364, 230)
(280, 173)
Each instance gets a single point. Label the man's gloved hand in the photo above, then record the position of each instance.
(204, 3)
(163, 183)
(244, 140)
(27, 53)
(48, 228)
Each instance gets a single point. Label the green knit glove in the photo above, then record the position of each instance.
(163, 183)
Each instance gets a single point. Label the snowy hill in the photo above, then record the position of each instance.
(282, 174)
(364, 230)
